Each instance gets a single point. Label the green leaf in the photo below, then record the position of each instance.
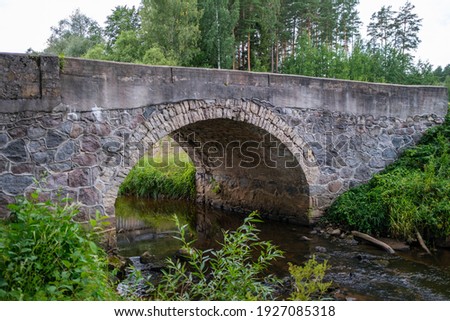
(93, 247)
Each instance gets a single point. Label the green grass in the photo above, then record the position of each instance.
(412, 195)
(161, 177)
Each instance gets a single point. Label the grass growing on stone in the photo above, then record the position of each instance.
(162, 176)
(412, 195)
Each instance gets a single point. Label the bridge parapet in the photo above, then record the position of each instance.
(45, 83)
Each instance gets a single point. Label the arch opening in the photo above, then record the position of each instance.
(246, 157)
(242, 167)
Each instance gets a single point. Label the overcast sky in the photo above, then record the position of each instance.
(26, 23)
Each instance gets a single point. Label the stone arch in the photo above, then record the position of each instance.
(254, 118)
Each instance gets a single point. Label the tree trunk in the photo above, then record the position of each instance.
(373, 240)
(248, 53)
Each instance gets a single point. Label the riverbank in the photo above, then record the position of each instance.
(359, 271)
(410, 197)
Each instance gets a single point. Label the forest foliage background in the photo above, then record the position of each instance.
(319, 38)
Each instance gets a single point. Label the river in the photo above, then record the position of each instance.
(360, 271)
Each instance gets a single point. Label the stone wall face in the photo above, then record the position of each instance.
(86, 155)
(349, 149)
(298, 142)
(29, 83)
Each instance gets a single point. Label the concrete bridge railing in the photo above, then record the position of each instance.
(286, 145)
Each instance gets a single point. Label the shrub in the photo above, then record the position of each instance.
(359, 209)
(308, 280)
(46, 255)
(230, 273)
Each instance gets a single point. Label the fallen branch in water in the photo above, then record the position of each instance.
(373, 240)
(422, 243)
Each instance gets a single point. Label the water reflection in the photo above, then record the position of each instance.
(361, 271)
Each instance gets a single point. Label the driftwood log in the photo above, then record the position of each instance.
(374, 241)
(422, 243)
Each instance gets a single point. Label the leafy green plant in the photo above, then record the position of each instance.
(308, 280)
(46, 255)
(215, 186)
(230, 273)
(359, 209)
(411, 195)
(62, 61)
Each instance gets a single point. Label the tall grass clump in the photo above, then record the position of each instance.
(234, 272)
(161, 177)
(412, 195)
(46, 255)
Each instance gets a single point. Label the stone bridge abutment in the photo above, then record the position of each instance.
(285, 145)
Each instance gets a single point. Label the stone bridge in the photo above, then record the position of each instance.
(284, 145)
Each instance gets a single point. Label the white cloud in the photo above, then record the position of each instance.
(26, 23)
(435, 26)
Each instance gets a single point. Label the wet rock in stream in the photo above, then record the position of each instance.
(144, 272)
(147, 258)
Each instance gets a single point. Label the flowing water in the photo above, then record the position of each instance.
(360, 271)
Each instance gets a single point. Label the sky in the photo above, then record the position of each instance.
(26, 23)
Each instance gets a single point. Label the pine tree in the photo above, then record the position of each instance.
(327, 23)
(290, 26)
(407, 26)
(348, 22)
(246, 32)
(268, 31)
(381, 28)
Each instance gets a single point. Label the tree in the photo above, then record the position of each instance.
(172, 26)
(217, 29)
(327, 23)
(98, 52)
(348, 22)
(123, 37)
(246, 32)
(155, 56)
(127, 48)
(381, 28)
(392, 35)
(258, 34)
(74, 36)
(121, 20)
(362, 66)
(443, 77)
(269, 28)
(442, 73)
(407, 26)
(397, 29)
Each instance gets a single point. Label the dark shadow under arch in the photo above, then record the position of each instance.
(242, 167)
(262, 166)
